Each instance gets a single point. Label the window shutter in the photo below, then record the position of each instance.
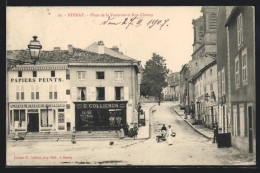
(242, 121)
(88, 97)
(92, 93)
(73, 93)
(112, 93)
(126, 93)
(107, 93)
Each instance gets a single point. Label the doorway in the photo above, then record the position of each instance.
(33, 125)
(250, 112)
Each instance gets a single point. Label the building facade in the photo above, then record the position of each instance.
(72, 89)
(206, 95)
(241, 69)
(171, 92)
(37, 98)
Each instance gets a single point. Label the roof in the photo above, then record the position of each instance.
(94, 48)
(204, 69)
(15, 57)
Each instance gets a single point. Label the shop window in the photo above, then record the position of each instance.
(20, 74)
(100, 93)
(19, 118)
(100, 75)
(46, 118)
(81, 93)
(81, 75)
(119, 93)
(67, 74)
(119, 75)
(52, 73)
(34, 73)
(67, 92)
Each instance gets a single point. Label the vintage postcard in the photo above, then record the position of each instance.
(130, 86)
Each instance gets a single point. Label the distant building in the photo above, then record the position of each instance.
(171, 92)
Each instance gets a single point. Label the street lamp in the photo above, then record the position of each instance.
(34, 49)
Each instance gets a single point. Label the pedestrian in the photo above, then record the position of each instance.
(163, 131)
(215, 139)
(73, 137)
(16, 135)
(126, 128)
(135, 130)
(121, 132)
(169, 135)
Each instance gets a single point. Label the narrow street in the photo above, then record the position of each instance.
(189, 148)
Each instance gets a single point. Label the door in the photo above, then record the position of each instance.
(33, 125)
(250, 129)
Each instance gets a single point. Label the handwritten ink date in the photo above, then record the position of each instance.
(136, 22)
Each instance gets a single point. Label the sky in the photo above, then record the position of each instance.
(137, 31)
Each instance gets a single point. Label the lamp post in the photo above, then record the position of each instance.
(34, 49)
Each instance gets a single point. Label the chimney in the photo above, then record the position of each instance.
(115, 48)
(56, 48)
(101, 47)
(70, 49)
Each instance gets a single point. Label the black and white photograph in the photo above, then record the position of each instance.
(130, 86)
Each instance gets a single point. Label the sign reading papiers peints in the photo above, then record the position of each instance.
(36, 79)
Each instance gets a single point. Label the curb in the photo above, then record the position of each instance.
(193, 126)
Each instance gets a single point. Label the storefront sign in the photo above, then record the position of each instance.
(37, 105)
(53, 79)
(100, 105)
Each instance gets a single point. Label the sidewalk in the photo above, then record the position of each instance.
(207, 133)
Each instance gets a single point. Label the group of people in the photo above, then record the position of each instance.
(126, 130)
(167, 134)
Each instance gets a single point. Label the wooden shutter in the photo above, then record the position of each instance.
(93, 93)
(88, 97)
(126, 93)
(73, 93)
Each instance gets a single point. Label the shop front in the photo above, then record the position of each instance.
(37, 117)
(100, 115)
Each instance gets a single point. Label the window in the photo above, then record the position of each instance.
(67, 74)
(239, 30)
(34, 73)
(244, 65)
(100, 75)
(119, 75)
(119, 93)
(237, 71)
(211, 71)
(32, 92)
(100, 93)
(53, 94)
(22, 92)
(67, 92)
(20, 74)
(19, 94)
(19, 118)
(81, 75)
(219, 83)
(223, 80)
(52, 73)
(37, 93)
(81, 93)
(242, 120)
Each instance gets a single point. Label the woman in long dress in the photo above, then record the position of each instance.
(169, 137)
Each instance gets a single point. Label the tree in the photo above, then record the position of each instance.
(154, 76)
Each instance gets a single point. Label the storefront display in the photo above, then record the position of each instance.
(99, 116)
